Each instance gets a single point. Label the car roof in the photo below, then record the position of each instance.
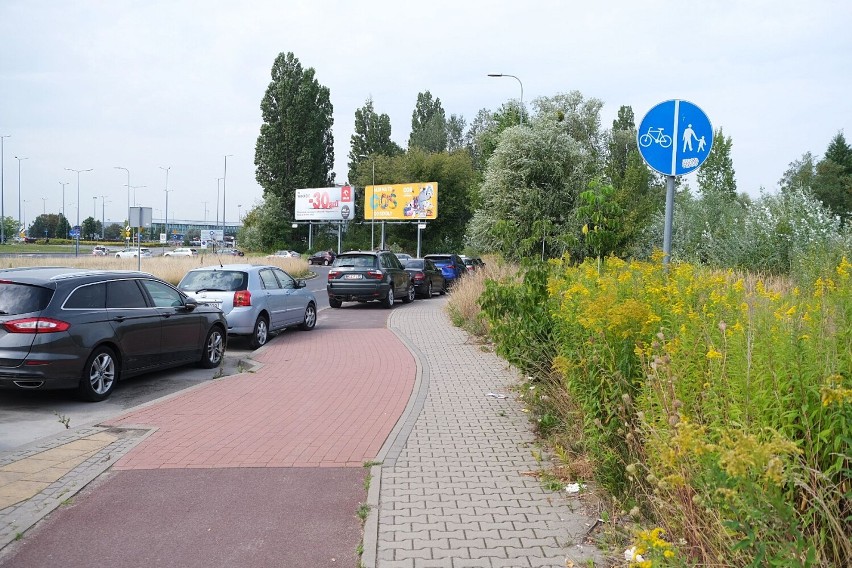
(37, 274)
(235, 266)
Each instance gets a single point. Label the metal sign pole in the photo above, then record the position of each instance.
(667, 230)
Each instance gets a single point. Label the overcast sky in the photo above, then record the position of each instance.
(147, 84)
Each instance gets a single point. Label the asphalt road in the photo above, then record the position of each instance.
(28, 416)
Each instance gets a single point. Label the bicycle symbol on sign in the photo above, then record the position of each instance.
(655, 135)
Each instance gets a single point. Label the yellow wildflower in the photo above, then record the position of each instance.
(713, 354)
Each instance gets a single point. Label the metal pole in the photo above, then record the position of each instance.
(77, 238)
(667, 230)
(64, 219)
(3, 188)
(103, 217)
(217, 200)
(224, 195)
(373, 211)
(167, 201)
(20, 222)
(522, 91)
(128, 189)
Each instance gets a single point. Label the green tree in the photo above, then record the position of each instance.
(115, 232)
(799, 175)
(428, 124)
(832, 184)
(455, 133)
(372, 136)
(716, 174)
(535, 174)
(580, 118)
(265, 229)
(601, 216)
(90, 228)
(622, 141)
(295, 148)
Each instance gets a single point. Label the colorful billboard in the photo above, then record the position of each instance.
(325, 204)
(401, 201)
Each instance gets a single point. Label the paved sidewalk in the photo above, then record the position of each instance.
(454, 488)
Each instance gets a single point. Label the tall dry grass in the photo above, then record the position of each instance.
(171, 269)
(463, 305)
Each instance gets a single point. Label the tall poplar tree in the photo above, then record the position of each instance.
(716, 175)
(295, 148)
(372, 136)
(428, 124)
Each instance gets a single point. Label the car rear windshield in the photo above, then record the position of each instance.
(214, 281)
(414, 263)
(18, 298)
(356, 261)
(440, 260)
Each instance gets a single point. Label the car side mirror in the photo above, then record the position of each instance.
(189, 304)
(301, 283)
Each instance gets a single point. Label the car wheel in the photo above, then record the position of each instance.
(310, 318)
(388, 301)
(99, 375)
(409, 294)
(214, 349)
(261, 332)
(429, 290)
(325, 262)
(334, 303)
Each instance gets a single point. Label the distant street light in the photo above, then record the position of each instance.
(239, 213)
(77, 239)
(167, 199)
(19, 190)
(128, 189)
(3, 188)
(63, 184)
(224, 190)
(44, 205)
(24, 218)
(522, 91)
(103, 216)
(217, 200)
(135, 187)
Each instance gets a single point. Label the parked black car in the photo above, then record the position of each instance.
(86, 329)
(324, 257)
(363, 276)
(427, 277)
(451, 265)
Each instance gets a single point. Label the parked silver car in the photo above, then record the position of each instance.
(256, 299)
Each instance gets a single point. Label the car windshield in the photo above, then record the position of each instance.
(414, 263)
(22, 298)
(214, 281)
(355, 260)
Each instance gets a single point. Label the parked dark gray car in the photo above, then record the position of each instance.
(362, 276)
(86, 329)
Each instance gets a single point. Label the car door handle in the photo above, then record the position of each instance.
(119, 318)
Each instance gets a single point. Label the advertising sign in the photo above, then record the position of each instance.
(401, 201)
(325, 204)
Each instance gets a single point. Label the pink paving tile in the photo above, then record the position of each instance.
(300, 408)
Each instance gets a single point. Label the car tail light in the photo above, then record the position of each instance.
(332, 274)
(36, 325)
(376, 274)
(242, 298)
(419, 276)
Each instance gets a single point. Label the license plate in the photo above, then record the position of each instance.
(352, 276)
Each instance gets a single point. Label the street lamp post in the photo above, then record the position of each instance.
(23, 219)
(239, 213)
(19, 191)
(167, 200)
(128, 189)
(77, 238)
(205, 211)
(3, 188)
(218, 189)
(224, 190)
(135, 187)
(63, 184)
(522, 91)
(103, 216)
(44, 205)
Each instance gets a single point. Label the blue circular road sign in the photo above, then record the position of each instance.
(675, 137)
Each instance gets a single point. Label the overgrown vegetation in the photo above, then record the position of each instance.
(715, 404)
